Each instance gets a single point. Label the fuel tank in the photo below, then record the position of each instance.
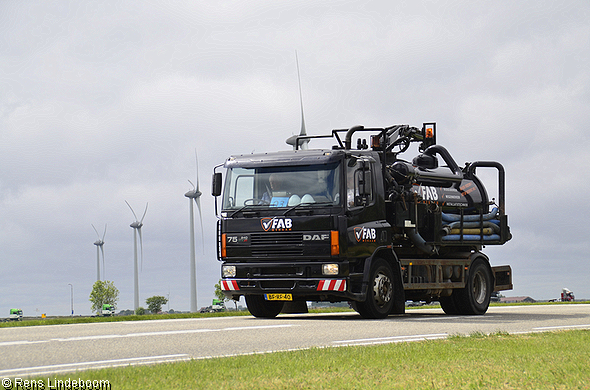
(464, 194)
(444, 186)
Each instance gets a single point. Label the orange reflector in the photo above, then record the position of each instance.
(223, 247)
(375, 141)
(334, 243)
(429, 132)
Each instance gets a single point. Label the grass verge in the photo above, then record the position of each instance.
(499, 361)
(146, 317)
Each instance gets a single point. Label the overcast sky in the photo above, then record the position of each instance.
(102, 102)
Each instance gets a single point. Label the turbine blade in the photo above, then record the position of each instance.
(197, 160)
(96, 232)
(198, 202)
(105, 232)
(131, 210)
(193, 184)
(146, 207)
(103, 268)
(302, 144)
(140, 248)
(303, 132)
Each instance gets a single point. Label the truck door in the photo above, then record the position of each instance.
(365, 214)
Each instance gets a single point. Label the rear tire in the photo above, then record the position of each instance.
(261, 308)
(380, 295)
(474, 299)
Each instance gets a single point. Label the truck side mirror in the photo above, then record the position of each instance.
(363, 184)
(216, 185)
(364, 181)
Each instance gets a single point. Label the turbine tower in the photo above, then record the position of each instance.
(99, 249)
(195, 195)
(136, 225)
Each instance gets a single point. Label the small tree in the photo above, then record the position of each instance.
(218, 293)
(103, 292)
(155, 303)
(221, 296)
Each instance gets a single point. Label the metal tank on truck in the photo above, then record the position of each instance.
(358, 223)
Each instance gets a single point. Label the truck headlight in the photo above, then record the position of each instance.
(330, 269)
(228, 271)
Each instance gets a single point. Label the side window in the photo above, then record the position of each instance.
(244, 189)
(359, 186)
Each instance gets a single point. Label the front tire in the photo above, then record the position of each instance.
(380, 295)
(261, 308)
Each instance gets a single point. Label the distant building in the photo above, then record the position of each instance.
(517, 300)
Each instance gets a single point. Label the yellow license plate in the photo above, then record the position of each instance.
(279, 297)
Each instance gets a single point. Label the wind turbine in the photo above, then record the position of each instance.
(292, 140)
(195, 195)
(99, 243)
(136, 225)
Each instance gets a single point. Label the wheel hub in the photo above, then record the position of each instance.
(479, 288)
(382, 289)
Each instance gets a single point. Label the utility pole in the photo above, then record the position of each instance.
(71, 298)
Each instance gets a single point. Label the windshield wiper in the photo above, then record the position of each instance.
(259, 203)
(305, 204)
(241, 209)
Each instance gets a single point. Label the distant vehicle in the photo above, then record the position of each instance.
(217, 306)
(16, 315)
(107, 310)
(495, 297)
(567, 295)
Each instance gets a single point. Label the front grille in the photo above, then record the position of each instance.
(277, 252)
(263, 239)
(280, 271)
(276, 244)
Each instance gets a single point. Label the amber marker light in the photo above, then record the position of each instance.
(376, 141)
(223, 245)
(334, 243)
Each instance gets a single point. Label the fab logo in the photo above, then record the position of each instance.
(429, 193)
(276, 224)
(363, 234)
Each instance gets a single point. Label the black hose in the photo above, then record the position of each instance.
(420, 242)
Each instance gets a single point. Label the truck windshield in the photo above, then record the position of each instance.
(282, 186)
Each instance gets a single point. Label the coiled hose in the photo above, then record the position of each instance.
(473, 228)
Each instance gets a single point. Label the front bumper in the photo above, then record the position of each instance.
(333, 289)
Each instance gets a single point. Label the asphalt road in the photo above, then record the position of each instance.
(44, 350)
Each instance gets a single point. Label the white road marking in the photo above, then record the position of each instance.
(21, 342)
(392, 339)
(69, 367)
(143, 334)
(562, 327)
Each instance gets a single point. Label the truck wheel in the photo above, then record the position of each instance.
(448, 305)
(475, 297)
(261, 308)
(380, 299)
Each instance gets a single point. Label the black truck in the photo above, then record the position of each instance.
(360, 225)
